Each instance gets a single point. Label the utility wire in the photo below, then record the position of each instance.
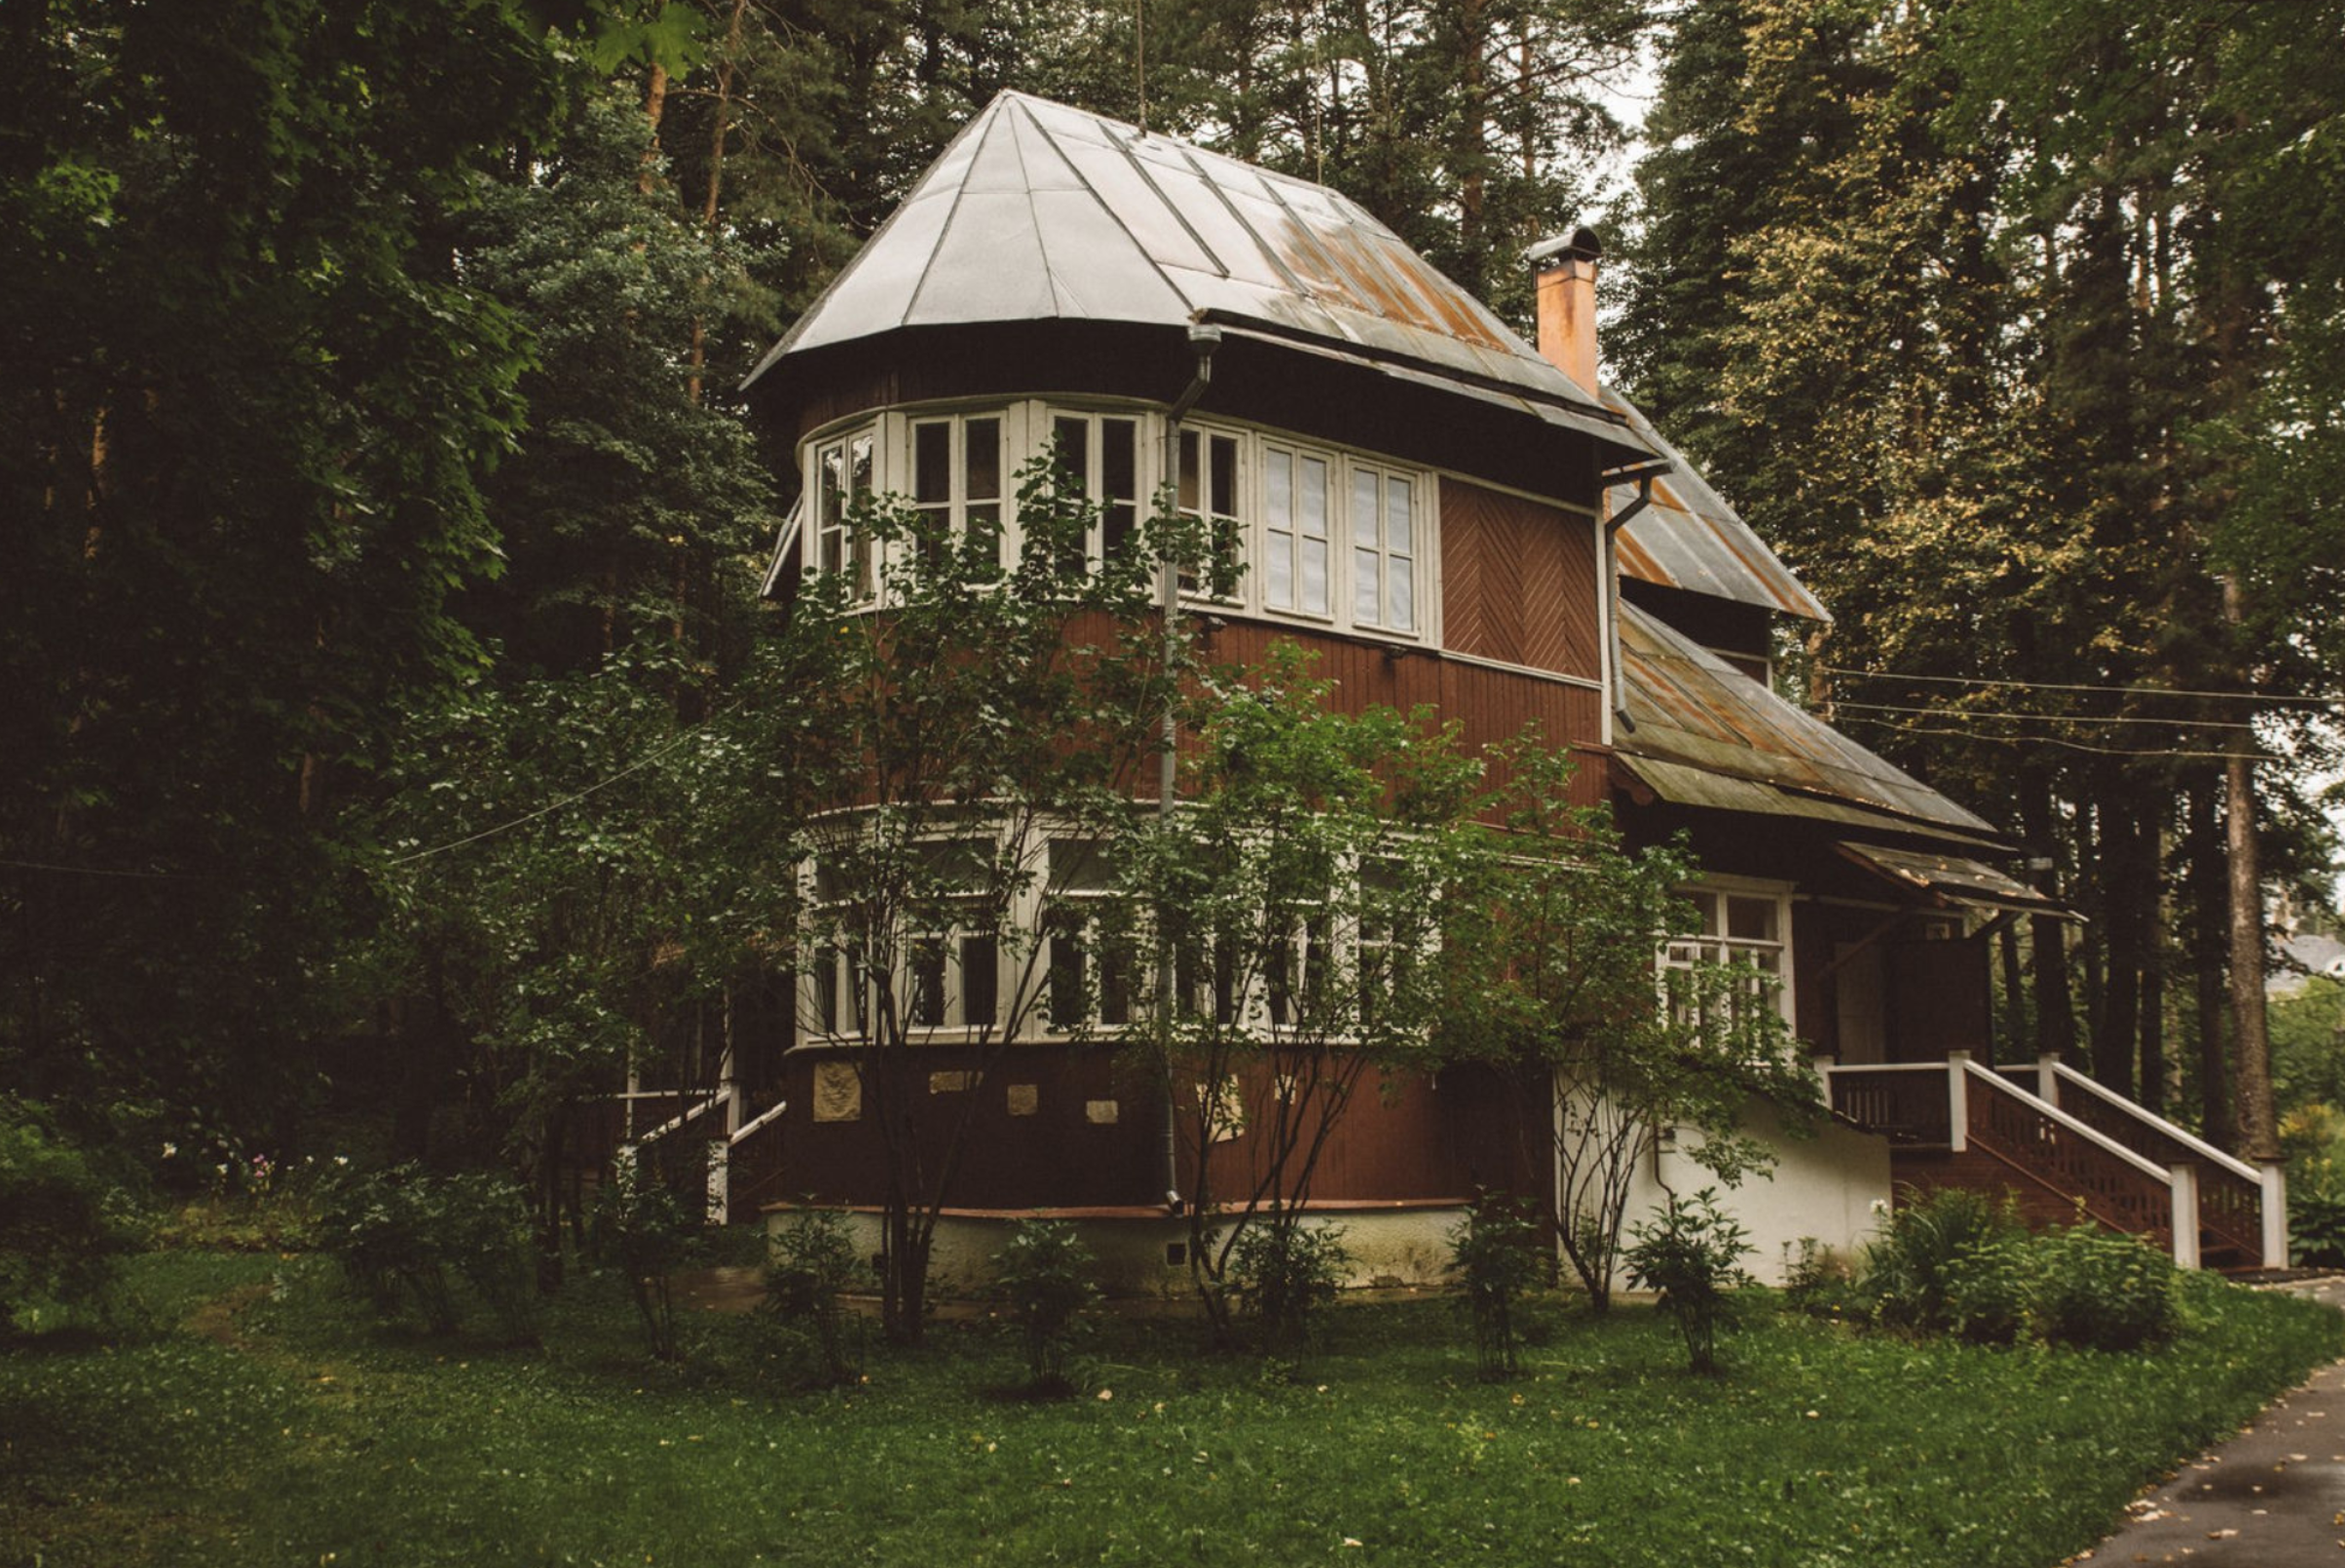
(2045, 718)
(2066, 745)
(635, 767)
(2056, 685)
(100, 870)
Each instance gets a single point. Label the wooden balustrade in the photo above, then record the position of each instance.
(2112, 1189)
(2231, 1208)
(1904, 1106)
(2230, 1205)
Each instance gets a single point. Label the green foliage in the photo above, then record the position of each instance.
(1920, 1273)
(481, 1225)
(1046, 1272)
(65, 1227)
(810, 1267)
(2099, 1290)
(1550, 954)
(184, 1448)
(642, 1233)
(1285, 1270)
(1495, 1256)
(1959, 1263)
(1693, 1254)
(409, 1234)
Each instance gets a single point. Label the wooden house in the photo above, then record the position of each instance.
(1447, 515)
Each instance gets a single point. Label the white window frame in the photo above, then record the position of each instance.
(1768, 958)
(1378, 549)
(832, 478)
(955, 503)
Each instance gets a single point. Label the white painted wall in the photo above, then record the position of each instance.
(1834, 1187)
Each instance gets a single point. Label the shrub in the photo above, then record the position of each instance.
(64, 1227)
(641, 1230)
(1693, 1254)
(1819, 1282)
(812, 1266)
(1046, 1272)
(482, 1229)
(1919, 1274)
(1494, 1253)
(1286, 1271)
(384, 1229)
(2101, 1290)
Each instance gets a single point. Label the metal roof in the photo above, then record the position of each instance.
(1691, 538)
(1725, 733)
(1040, 211)
(1956, 879)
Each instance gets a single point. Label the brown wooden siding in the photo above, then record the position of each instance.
(1487, 706)
(1518, 582)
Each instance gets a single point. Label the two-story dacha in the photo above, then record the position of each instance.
(1444, 515)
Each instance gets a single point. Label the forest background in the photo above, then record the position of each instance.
(385, 683)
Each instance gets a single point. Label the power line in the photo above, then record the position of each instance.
(2056, 685)
(2065, 745)
(636, 766)
(101, 870)
(2046, 718)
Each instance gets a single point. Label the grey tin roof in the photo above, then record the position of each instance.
(1707, 734)
(1040, 211)
(1691, 538)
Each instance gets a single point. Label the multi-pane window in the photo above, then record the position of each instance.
(1294, 529)
(1743, 933)
(1208, 491)
(1092, 965)
(1383, 576)
(842, 474)
(956, 479)
(1101, 452)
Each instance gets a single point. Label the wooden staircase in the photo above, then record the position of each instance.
(2063, 1146)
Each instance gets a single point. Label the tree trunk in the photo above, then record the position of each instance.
(2208, 939)
(2259, 1129)
(2055, 1014)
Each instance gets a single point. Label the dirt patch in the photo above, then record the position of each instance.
(215, 1319)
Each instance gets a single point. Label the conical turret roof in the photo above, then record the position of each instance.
(1039, 212)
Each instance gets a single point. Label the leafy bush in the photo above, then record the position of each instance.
(1819, 1282)
(1046, 1272)
(812, 1265)
(1693, 1254)
(64, 1227)
(1921, 1274)
(384, 1227)
(2101, 1290)
(639, 1229)
(481, 1228)
(1494, 1253)
(1286, 1271)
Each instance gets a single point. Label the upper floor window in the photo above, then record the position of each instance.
(1294, 529)
(1208, 491)
(1745, 931)
(956, 478)
(1101, 452)
(842, 473)
(1384, 549)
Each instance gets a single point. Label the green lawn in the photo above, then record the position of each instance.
(292, 1431)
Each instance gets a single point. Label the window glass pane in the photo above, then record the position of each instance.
(1278, 565)
(1365, 509)
(1119, 443)
(928, 982)
(1310, 523)
(1225, 477)
(859, 464)
(982, 472)
(1400, 594)
(980, 981)
(1071, 446)
(1751, 919)
(831, 474)
(1400, 513)
(1185, 490)
(932, 462)
(1365, 595)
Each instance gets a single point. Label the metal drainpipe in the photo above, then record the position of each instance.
(1643, 474)
(1204, 339)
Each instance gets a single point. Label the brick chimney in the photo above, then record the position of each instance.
(1565, 269)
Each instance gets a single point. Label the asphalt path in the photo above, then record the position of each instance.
(2272, 1497)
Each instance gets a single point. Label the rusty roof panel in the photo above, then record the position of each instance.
(1955, 879)
(1125, 227)
(1692, 709)
(1691, 538)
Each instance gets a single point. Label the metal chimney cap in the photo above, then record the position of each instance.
(1583, 243)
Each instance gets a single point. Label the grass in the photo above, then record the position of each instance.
(274, 1424)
